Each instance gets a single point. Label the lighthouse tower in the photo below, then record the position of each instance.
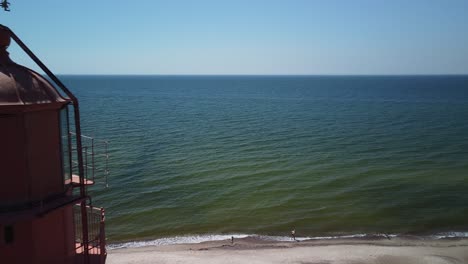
(45, 215)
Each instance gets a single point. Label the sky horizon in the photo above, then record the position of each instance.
(267, 75)
(207, 37)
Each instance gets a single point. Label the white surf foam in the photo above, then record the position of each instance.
(451, 235)
(176, 240)
(204, 238)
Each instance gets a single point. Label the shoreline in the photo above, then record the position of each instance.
(341, 250)
(200, 238)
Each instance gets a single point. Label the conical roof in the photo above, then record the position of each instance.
(23, 87)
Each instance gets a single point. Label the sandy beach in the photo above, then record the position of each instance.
(346, 251)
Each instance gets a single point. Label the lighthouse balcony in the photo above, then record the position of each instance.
(95, 157)
(75, 181)
(95, 245)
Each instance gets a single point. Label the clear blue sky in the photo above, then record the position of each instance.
(244, 37)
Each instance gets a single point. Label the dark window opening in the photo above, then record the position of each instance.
(8, 234)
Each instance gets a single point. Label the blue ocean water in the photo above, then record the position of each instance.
(326, 155)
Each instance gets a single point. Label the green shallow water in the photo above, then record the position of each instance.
(262, 155)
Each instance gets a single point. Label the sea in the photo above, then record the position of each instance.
(195, 158)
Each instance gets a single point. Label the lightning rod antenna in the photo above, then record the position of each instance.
(5, 5)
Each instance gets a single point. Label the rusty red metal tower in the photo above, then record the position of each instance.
(45, 210)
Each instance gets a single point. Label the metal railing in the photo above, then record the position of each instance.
(95, 154)
(96, 235)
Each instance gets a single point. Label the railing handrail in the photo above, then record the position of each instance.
(89, 137)
(96, 222)
(95, 158)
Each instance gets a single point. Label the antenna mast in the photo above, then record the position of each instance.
(5, 5)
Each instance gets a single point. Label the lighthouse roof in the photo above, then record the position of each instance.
(20, 86)
(22, 89)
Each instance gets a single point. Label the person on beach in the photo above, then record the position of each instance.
(293, 234)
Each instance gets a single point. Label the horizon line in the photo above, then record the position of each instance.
(266, 75)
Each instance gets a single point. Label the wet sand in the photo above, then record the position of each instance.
(339, 251)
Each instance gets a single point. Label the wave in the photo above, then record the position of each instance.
(195, 239)
(451, 235)
(177, 240)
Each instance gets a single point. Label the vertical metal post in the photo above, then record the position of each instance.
(84, 211)
(107, 162)
(92, 158)
(102, 236)
(69, 149)
(85, 162)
